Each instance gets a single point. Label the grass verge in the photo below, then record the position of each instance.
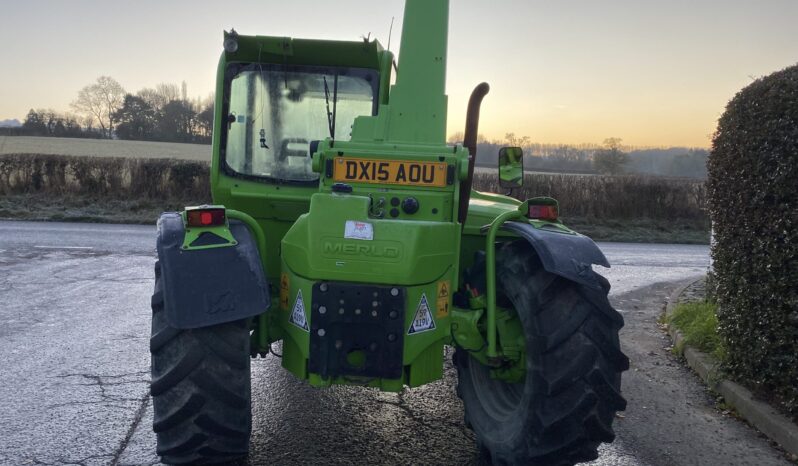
(641, 230)
(698, 322)
(84, 208)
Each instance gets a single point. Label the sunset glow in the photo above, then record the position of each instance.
(651, 73)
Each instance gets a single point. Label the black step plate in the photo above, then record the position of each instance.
(349, 317)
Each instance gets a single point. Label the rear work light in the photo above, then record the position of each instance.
(542, 212)
(201, 217)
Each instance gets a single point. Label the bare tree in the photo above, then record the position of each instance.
(456, 138)
(100, 101)
(610, 159)
(150, 96)
(514, 141)
(88, 123)
(160, 95)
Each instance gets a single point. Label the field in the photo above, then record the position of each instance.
(103, 148)
(121, 181)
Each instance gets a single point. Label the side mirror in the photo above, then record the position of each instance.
(511, 167)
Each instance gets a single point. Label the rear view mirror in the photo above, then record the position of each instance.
(511, 167)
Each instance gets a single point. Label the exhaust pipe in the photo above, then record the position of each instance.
(470, 143)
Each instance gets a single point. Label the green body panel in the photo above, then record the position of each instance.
(275, 208)
(469, 327)
(483, 208)
(466, 333)
(423, 352)
(401, 253)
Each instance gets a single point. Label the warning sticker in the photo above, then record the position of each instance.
(423, 320)
(442, 302)
(358, 230)
(298, 314)
(284, 287)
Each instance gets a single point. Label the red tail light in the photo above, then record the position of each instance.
(543, 212)
(205, 217)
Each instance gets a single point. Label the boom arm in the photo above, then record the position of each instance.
(416, 112)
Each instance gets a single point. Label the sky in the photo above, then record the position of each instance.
(651, 72)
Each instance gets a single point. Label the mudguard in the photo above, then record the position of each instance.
(209, 286)
(567, 255)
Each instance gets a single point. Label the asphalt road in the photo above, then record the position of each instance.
(74, 329)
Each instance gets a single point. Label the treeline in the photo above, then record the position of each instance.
(612, 157)
(674, 161)
(159, 115)
(105, 110)
(48, 122)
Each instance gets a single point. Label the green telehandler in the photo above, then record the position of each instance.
(345, 227)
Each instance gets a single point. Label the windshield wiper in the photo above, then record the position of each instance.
(331, 116)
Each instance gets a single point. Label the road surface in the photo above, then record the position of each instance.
(74, 329)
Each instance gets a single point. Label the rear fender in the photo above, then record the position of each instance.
(204, 287)
(569, 255)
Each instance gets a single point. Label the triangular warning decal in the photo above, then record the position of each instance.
(298, 314)
(423, 320)
(443, 290)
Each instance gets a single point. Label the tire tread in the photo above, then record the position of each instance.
(574, 367)
(200, 388)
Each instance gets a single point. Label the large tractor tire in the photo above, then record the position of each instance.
(200, 388)
(564, 408)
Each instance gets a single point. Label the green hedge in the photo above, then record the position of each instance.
(753, 198)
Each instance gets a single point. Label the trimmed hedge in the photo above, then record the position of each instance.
(110, 177)
(613, 196)
(590, 197)
(753, 198)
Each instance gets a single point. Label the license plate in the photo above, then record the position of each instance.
(403, 172)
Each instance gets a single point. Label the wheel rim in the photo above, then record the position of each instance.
(499, 399)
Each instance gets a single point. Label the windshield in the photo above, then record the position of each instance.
(275, 111)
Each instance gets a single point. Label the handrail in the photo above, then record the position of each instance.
(490, 275)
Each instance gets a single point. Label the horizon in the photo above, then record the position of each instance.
(653, 75)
